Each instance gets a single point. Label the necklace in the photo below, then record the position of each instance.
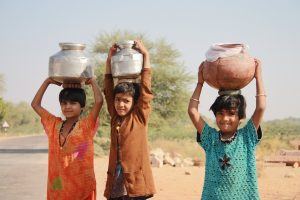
(61, 144)
(227, 140)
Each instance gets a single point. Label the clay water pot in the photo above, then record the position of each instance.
(230, 73)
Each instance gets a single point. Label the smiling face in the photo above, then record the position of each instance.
(70, 109)
(72, 100)
(123, 103)
(227, 121)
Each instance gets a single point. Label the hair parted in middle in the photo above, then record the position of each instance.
(229, 102)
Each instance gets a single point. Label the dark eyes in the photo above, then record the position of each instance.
(63, 103)
(70, 102)
(122, 100)
(228, 113)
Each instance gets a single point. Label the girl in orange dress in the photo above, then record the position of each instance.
(71, 150)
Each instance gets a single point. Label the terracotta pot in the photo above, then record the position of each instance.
(229, 73)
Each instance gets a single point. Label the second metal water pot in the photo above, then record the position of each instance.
(70, 65)
(127, 62)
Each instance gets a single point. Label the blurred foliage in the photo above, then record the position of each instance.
(2, 103)
(169, 119)
(22, 119)
(2, 109)
(169, 83)
(2, 84)
(282, 127)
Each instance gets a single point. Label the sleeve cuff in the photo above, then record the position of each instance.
(198, 137)
(108, 76)
(259, 133)
(146, 70)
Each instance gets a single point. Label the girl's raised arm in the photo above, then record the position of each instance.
(193, 108)
(109, 83)
(260, 96)
(98, 98)
(37, 100)
(145, 86)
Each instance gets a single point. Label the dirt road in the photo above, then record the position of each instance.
(23, 175)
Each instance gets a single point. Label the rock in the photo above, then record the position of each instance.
(188, 162)
(175, 154)
(156, 161)
(159, 153)
(187, 173)
(296, 165)
(178, 162)
(289, 175)
(169, 160)
(197, 162)
(157, 157)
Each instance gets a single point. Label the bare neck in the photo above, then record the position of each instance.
(72, 120)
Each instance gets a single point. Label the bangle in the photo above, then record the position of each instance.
(258, 95)
(193, 99)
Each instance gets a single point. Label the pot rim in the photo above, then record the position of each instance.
(71, 46)
(125, 43)
(218, 46)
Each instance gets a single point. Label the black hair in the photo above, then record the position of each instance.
(228, 102)
(133, 89)
(73, 94)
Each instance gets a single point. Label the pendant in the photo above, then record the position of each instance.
(224, 162)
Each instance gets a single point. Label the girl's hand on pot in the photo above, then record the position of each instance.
(112, 50)
(257, 73)
(200, 74)
(139, 46)
(51, 81)
(90, 81)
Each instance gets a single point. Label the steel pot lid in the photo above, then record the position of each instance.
(71, 46)
(125, 44)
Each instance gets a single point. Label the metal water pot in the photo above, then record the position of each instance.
(127, 62)
(70, 65)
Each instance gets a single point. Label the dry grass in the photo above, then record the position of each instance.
(270, 146)
(187, 148)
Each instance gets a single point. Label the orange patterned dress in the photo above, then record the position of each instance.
(71, 167)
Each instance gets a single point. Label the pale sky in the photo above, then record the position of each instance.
(31, 30)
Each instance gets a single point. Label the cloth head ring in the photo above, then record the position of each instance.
(229, 92)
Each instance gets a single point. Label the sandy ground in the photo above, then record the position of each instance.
(27, 171)
(282, 183)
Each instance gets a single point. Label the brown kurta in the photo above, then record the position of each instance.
(134, 153)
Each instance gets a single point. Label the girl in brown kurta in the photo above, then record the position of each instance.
(129, 174)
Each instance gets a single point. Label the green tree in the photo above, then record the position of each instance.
(2, 109)
(170, 80)
(22, 118)
(2, 103)
(2, 84)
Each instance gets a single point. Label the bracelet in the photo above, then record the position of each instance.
(258, 95)
(193, 99)
(200, 84)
